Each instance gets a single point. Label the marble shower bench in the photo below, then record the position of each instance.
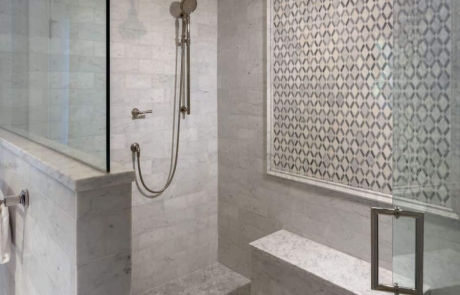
(285, 263)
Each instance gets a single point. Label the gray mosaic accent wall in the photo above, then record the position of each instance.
(331, 76)
(423, 101)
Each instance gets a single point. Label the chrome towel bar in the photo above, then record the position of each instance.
(22, 198)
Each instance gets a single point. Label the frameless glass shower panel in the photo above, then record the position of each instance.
(427, 142)
(53, 69)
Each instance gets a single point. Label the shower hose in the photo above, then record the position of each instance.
(174, 155)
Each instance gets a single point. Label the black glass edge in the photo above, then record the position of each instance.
(108, 85)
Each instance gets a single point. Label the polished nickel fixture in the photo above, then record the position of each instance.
(136, 113)
(179, 10)
(21, 199)
(419, 252)
(187, 7)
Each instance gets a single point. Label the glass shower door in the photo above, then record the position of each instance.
(426, 147)
(54, 84)
(426, 150)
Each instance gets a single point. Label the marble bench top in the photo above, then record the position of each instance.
(333, 267)
(72, 173)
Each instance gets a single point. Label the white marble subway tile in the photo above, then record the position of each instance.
(148, 239)
(91, 32)
(79, 47)
(104, 201)
(152, 38)
(117, 50)
(59, 226)
(80, 14)
(124, 35)
(138, 81)
(118, 232)
(92, 3)
(62, 197)
(124, 65)
(154, 67)
(57, 264)
(105, 276)
(138, 51)
(91, 64)
(38, 275)
(91, 239)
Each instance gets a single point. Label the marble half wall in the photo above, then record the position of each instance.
(75, 237)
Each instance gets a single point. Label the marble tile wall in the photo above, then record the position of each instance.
(66, 241)
(103, 246)
(175, 233)
(43, 258)
(253, 204)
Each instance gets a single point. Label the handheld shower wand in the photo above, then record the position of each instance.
(178, 10)
(187, 7)
(183, 10)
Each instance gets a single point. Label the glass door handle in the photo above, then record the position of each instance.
(419, 233)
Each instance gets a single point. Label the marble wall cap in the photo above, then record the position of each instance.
(72, 173)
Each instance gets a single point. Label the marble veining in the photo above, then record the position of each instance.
(66, 242)
(442, 273)
(319, 263)
(215, 279)
(174, 234)
(72, 173)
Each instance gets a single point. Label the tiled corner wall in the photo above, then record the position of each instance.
(253, 204)
(53, 70)
(175, 233)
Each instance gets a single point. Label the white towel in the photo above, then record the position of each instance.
(5, 239)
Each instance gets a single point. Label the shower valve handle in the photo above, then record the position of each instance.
(136, 113)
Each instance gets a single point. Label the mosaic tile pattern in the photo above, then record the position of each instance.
(331, 91)
(423, 97)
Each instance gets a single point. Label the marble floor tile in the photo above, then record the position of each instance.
(212, 280)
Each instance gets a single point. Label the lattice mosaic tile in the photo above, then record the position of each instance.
(422, 108)
(331, 80)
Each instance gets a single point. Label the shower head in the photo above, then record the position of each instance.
(175, 9)
(185, 7)
(188, 6)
